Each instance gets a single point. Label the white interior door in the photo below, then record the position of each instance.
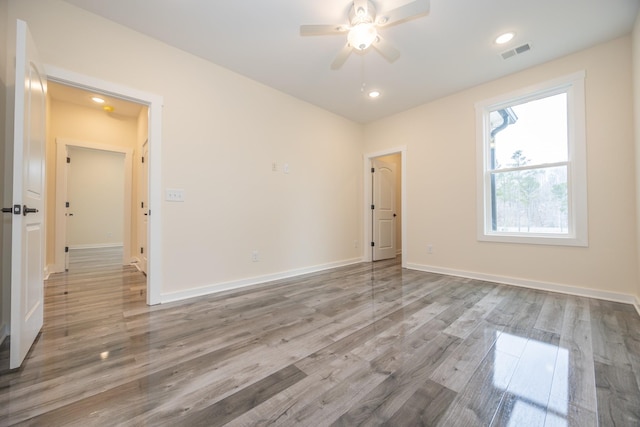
(67, 207)
(384, 210)
(144, 206)
(27, 228)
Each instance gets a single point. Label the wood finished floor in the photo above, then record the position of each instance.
(369, 344)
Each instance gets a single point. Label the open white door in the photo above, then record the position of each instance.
(384, 209)
(144, 207)
(27, 228)
(67, 211)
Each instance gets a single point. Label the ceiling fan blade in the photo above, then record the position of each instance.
(389, 52)
(342, 57)
(400, 14)
(323, 30)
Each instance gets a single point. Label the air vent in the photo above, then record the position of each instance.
(516, 51)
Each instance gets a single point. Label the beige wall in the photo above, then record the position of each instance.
(441, 180)
(96, 180)
(85, 125)
(220, 134)
(636, 97)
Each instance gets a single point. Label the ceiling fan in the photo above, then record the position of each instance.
(362, 29)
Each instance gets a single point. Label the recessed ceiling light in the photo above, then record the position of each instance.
(505, 38)
(374, 94)
(97, 99)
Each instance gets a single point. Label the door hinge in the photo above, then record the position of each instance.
(68, 159)
(373, 244)
(142, 205)
(66, 204)
(149, 212)
(142, 159)
(373, 170)
(373, 207)
(66, 249)
(141, 250)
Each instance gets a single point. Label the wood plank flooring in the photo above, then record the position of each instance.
(368, 344)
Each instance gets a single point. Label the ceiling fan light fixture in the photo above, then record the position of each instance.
(362, 35)
(374, 94)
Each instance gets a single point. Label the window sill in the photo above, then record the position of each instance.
(560, 240)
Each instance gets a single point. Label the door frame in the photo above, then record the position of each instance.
(62, 184)
(368, 218)
(154, 103)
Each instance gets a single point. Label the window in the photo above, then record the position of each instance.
(532, 165)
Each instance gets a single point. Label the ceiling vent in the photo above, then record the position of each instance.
(516, 51)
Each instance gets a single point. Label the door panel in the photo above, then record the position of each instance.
(27, 229)
(384, 202)
(144, 207)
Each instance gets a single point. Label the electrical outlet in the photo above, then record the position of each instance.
(255, 256)
(174, 195)
(285, 168)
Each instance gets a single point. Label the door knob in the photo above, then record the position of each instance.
(16, 210)
(27, 210)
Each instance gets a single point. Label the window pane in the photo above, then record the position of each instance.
(531, 201)
(533, 133)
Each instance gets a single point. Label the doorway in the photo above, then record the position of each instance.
(385, 207)
(153, 165)
(385, 200)
(93, 206)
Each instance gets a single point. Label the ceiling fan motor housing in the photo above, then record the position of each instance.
(358, 15)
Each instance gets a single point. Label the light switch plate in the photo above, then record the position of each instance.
(174, 195)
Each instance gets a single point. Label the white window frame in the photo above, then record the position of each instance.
(577, 233)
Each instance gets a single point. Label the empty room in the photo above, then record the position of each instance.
(349, 212)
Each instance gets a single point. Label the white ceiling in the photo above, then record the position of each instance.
(444, 52)
(73, 95)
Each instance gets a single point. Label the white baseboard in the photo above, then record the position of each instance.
(96, 246)
(524, 283)
(637, 305)
(237, 284)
